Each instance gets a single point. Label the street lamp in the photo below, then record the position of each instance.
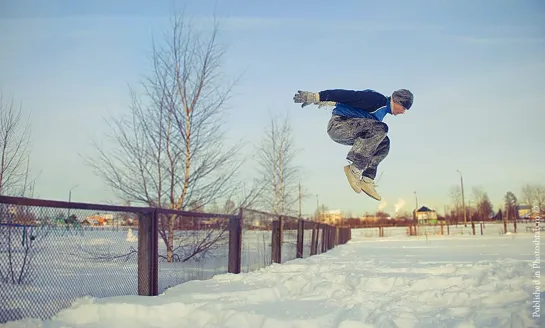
(70, 197)
(463, 199)
(70, 193)
(317, 208)
(416, 208)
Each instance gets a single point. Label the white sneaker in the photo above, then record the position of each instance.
(353, 175)
(368, 186)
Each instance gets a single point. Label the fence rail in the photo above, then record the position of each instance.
(472, 228)
(53, 252)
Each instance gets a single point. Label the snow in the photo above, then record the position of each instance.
(457, 281)
(67, 265)
(131, 237)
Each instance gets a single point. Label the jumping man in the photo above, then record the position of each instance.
(357, 121)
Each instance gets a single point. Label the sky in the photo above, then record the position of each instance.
(477, 70)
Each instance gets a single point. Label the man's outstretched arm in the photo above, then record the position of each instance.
(367, 100)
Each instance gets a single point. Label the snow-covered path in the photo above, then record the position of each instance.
(470, 281)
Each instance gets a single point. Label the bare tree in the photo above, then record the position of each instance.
(275, 157)
(456, 196)
(170, 151)
(527, 194)
(478, 193)
(20, 238)
(320, 213)
(511, 204)
(539, 196)
(534, 195)
(14, 149)
(483, 206)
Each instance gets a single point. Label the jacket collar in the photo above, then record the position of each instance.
(388, 105)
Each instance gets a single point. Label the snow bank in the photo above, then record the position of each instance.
(467, 281)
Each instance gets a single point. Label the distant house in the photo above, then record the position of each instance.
(524, 211)
(331, 217)
(328, 216)
(90, 222)
(426, 215)
(369, 218)
(98, 220)
(18, 215)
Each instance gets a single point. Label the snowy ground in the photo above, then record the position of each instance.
(64, 266)
(426, 281)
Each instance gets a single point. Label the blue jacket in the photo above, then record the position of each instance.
(366, 103)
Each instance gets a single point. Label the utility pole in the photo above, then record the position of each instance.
(416, 208)
(70, 193)
(300, 200)
(463, 199)
(470, 212)
(70, 196)
(317, 208)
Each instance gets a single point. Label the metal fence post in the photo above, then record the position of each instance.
(314, 240)
(148, 254)
(155, 254)
(300, 236)
(276, 243)
(235, 243)
(329, 237)
(324, 238)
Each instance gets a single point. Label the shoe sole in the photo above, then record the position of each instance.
(357, 189)
(372, 196)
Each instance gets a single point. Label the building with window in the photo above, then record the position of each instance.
(426, 215)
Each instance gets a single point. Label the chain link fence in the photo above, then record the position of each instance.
(51, 256)
(200, 248)
(53, 253)
(256, 250)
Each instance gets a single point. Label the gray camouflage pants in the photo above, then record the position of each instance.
(368, 138)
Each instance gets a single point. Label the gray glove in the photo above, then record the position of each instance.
(306, 98)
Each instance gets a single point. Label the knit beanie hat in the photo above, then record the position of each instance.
(403, 97)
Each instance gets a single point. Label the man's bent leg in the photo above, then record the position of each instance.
(381, 153)
(343, 130)
(369, 173)
(365, 146)
(364, 135)
(373, 144)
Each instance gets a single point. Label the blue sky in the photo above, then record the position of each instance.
(477, 70)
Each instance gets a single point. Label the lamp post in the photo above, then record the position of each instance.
(463, 199)
(70, 196)
(317, 209)
(70, 193)
(416, 208)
